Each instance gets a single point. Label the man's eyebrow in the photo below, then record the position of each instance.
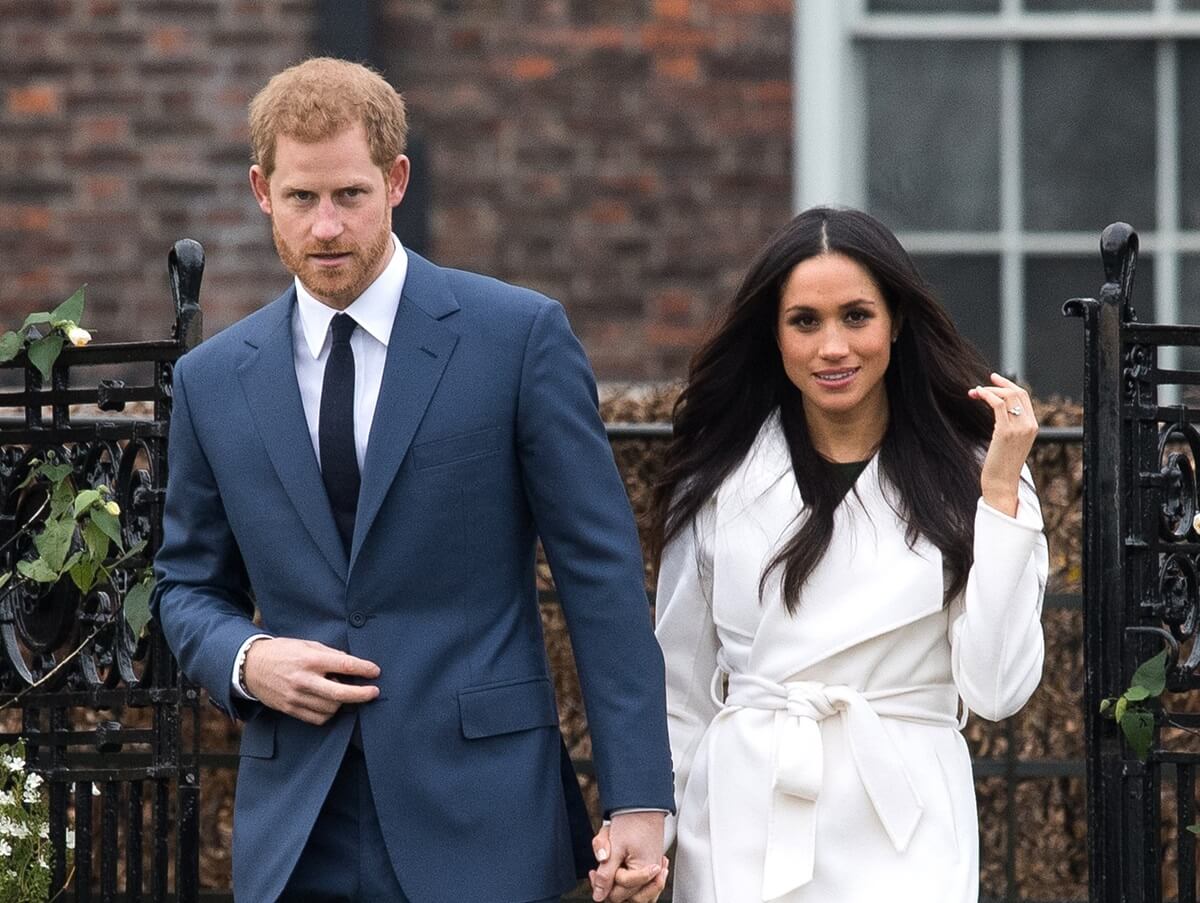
(361, 184)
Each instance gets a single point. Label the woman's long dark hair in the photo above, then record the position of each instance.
(930, 451)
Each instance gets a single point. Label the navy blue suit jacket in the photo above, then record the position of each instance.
(485, 437)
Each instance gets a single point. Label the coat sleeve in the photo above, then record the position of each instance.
(688, 637)
(202, 594)
(583, 518)
(995, 626)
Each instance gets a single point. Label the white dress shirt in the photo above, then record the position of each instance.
(374, 311)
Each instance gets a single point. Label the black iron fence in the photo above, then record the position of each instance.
(108, 723)
(1141, 560)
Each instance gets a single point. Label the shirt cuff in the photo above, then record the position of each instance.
(239, 661)
(608, 821)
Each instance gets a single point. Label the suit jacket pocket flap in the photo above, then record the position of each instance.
(504, 708)
(456, 448)
(258, 738)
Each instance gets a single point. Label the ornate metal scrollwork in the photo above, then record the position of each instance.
(1138, 365)
(40, 626)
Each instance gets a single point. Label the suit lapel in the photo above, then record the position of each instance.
(418, 350)
(269, 383)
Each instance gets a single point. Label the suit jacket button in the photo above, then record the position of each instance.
(357, 619)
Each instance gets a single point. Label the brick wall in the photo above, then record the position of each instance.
(624, 156)
(122, 128)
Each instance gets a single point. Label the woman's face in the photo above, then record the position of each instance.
(835, 336)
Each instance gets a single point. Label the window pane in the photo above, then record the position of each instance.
(1189, 133)
(1189, 306)
(1038, 6)
(969, 288)
(933, 134)
(1053, 343)
(1089, 153)
(1189, 4)
(933, 6)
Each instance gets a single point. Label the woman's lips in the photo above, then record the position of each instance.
(836, 379)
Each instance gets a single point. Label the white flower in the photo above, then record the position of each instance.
(7, 798)
(70, 839)
(5, 848)
(34, 781)
(78, 336)
(112, 508)
(8, 827)
(95, 790)
(20, 831)
(44, 831)
(31, 796)
(13, 763)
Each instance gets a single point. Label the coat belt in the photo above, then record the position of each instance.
(799, 763)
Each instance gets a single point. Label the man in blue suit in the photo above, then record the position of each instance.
(370, 460)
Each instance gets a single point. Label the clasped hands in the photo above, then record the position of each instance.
(632, 866)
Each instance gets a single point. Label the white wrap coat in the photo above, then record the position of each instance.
(834, 770)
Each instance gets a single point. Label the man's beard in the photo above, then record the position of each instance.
(342, 285)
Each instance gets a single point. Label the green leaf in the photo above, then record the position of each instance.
(1137, 693)
(1138, 728)
(44, 352)
(55, 473)
(37, 571)
(129, 553)
(85, 500)
(96, 540)
(1195, 829)
(36, 319)
(137, 607)
(4, 578)
(71, 309)
(1119, 711)
(1152, 674)
(54, 542)
(83, 574)
(10, 346)
(1107, 704)
(63, 499)
(109, 524)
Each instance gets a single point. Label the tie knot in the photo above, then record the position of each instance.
(342, 327)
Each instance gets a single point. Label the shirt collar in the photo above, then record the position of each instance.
(374, 310)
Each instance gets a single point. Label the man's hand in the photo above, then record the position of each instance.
(632, 868)
(298, 678)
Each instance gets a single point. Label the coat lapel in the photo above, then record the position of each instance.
(269, 382)
(418, 350)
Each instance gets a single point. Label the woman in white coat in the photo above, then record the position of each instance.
(852, 558)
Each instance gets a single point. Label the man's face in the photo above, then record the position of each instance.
(331, 211)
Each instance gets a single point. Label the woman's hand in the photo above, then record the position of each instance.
(629, 885)
(1012, 438)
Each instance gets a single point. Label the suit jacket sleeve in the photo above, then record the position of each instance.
(583, 518)
(996, 639)
(202, 596)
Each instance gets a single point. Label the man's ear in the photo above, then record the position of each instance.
(397, 179)
(261, 187)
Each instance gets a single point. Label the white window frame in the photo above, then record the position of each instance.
(829, 133)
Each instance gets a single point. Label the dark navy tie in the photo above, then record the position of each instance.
(339, 463)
